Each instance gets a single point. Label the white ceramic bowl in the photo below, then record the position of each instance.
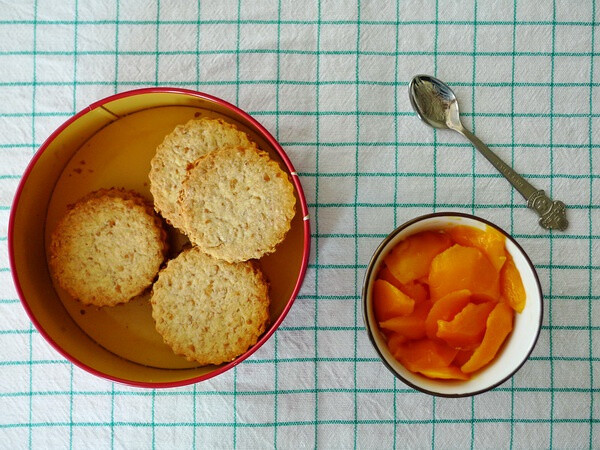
(515, 350)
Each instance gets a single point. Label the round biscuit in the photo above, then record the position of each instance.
(179, 149)
(208, 310)
(237, 203)
(107, 248)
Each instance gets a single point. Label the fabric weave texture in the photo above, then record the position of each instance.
(329, 80)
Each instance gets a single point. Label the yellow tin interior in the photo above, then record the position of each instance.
(111, 146)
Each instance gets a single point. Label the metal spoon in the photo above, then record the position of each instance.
(436, 105)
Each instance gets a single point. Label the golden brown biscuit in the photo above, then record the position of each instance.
(208, 310)
(107, 248)
(179, 149)
(236, 203)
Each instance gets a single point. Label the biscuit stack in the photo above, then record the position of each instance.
(234, 203)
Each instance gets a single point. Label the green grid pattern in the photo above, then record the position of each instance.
(329, 80)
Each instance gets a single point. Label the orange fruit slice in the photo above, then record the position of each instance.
(415, 290)
(394, 340)
(511, 286)
(411, 258)
(491, 242)
(499, 325)
(462, 267)
(445, 309)
(445, 373)
(467, 328)
(389, 301)
(411, 326)
(425, 354)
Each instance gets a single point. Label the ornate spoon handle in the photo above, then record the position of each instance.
(552, 213)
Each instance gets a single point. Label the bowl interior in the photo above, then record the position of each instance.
(111, 145)
(515, 350)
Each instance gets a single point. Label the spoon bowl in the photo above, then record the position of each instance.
(432, 100)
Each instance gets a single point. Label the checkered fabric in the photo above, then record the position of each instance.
(329, 80)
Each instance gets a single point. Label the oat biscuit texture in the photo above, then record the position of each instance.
(237, 203)
(179, 149)
(209, 310)
(107, 248)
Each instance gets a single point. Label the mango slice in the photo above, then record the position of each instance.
(411, 326)
(385, 274)
(389, 301)
(425, 354)
(394, 341)
(499, 325)
(511, 286)
(467, 328)
(445, 309)
(461, 267)
(445, 373)
(462, 357)
(411, 258)
(415, 290)
(491, 242)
